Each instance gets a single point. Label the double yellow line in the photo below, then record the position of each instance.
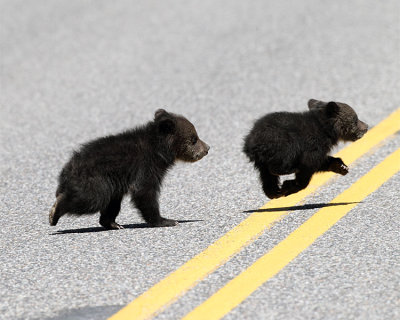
(187, 276)
(275, 260)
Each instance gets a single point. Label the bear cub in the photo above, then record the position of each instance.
(285, 142)
(97, 177)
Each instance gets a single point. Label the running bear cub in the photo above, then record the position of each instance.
(98, 176)
(283, 143)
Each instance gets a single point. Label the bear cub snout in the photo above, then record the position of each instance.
(282, 143)
(103, 171)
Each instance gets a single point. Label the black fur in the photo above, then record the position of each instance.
(284, 143)
(98, 176)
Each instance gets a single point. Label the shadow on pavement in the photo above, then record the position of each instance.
(303, 207)
(101, 229)
(86, 313)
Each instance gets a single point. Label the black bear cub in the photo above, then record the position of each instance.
(284, 142)
(97, 177)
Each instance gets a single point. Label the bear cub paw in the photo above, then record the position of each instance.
(110, 225)
(338, 166)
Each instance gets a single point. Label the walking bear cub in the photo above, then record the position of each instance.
(98, 176)
(283, 143)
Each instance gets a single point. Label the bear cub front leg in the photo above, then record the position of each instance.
(335, 165)
(108, 215)
(147, 203)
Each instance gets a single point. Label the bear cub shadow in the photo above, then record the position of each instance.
(284, 143)
(103, 171)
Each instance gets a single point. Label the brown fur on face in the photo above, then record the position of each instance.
(184, 139)
(347, 125)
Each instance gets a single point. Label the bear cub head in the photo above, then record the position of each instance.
(345, 121)
(181, 136)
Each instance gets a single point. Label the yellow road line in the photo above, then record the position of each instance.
(188, 275)
(238, 289)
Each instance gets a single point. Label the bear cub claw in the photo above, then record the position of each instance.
(338, 166)
(111, 225)
(343, 170)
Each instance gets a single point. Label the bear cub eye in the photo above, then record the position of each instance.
(194, 140)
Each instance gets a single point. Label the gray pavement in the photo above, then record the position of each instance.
(73, 70)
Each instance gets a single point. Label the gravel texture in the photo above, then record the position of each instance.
(74, 70)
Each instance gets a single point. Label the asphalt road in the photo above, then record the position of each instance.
(74, 70)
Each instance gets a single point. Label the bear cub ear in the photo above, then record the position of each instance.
(315, 104)
(311, 103)
(159, 113)
(332, 109)
(165, 121)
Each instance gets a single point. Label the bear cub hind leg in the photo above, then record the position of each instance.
(270, 184)
(302, 180)
(57, 210)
